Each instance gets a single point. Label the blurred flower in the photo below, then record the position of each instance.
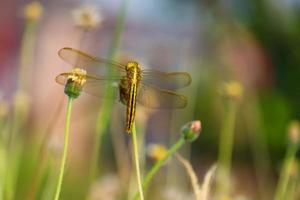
(191, 130)
(241, 197)
(233, 89)
(55, 146)
(294, 169)
(156, 151)
(294, 132)
(176, 194)
(245, 56)
(33, 11)
(87, 17)
(3, 107)
(108, 188)
(21, 102)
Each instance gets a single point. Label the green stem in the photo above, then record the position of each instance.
(104, 114)
(26, 55)
(148, 178)
(20, 114)
(225, 149)
(65, 151)
(136, 160)
(285, 173)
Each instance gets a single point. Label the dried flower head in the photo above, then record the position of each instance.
(87, 17)
(78, 76)
(294, 131)
(75, 82)
(233, 90)
(156, 151)
(33, 11)
(191, 130)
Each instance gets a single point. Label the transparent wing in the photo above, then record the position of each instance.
(62, 78)
(79, 59)
(152, 97)
(96, 86)
(164, 80)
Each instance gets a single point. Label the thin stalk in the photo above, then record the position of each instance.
(20, 113)
(284, 178)
(26, 55)
(148, 178)
(225, 149)
(42, 157)
(65, 150)
(136, 160)
(192, 174)
(104, 113)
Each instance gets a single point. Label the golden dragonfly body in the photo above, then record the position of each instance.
(149, 88)
(128, 88)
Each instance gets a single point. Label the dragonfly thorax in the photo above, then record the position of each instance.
(132, 64)
(133, 72)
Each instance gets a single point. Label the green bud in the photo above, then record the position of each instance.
(72, 89)
(191, 130)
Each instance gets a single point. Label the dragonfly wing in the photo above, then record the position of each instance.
(99, 87)
(96, 86)
(62, 78)
(79, 59)
(164, 80)
(156, 98)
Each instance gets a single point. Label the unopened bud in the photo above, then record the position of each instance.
(191, 130)
(33, 11)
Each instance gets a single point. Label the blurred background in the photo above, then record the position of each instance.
(253, 42)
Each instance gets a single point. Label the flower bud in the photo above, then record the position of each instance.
(156, 151)
(191, 130)
(33, 11)
(233, 90)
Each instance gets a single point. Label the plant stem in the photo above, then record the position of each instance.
(284, 178)
(225, 149)
(20, 113)
(104, 113)
(65, 150)
(148, 178)
(136, 160)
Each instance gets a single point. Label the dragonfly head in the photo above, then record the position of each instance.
(132, 64)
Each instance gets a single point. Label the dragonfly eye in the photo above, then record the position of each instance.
(132, 64)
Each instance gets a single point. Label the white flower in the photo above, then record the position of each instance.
(87, 17)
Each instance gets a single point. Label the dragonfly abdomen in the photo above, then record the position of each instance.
(131, 106)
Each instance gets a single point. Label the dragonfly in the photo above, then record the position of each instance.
(132, 84)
